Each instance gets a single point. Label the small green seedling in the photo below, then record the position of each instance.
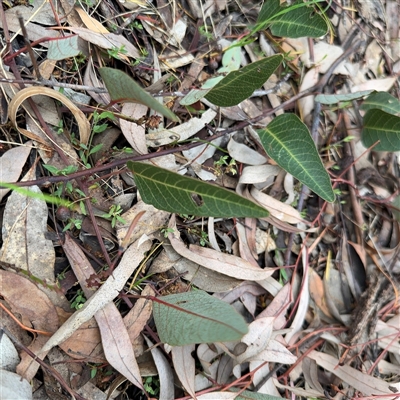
(114, 215)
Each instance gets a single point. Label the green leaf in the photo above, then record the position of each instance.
(63, 48)
(288, 142)
(197, 317)
(382, 101)
(123, 88)
(239, 85)
(253, 396)
(379, 125)
(336, 98)
(175, 193)
(296, 20)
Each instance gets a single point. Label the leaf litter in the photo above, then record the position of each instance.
(302, 299)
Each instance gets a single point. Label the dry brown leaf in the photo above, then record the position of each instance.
(36, 310)
(317, 292)
(24, 94)
(256, 339)
(197, 275)
(139, 314)
(91, 23)
(153, 220)
(184, 366)
(380, 85)
(302, 308)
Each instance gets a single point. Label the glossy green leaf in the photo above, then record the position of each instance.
(239, 85)
(124, 89)
(197, 317)
(175, 193)
(294, 21)
(337, 98)
(382, 101)
(379, 125)
(288, 142)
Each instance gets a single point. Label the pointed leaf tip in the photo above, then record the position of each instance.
(122, 87)
(288, 142)
(175, 193)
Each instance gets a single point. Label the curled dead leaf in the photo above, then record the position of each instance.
(24, 94)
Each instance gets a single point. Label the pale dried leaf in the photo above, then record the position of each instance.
(24, 238)
(217, 395)
(139, 314)
(220, 262)
(153, 220)
(256, 339)
(302, 308)
(165, 374)
(184, 365)
(277, 308)
(107, 292)
(116, 343)
(244, 154)
(134, 133)
(366, 384)
(114, 335)
(306, 104)
(107, 41)
(11, 164)
(283, 212)
(180, 132)
(380, 85)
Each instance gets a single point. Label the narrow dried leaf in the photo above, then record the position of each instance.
(184, 366)
(283, 212)
(116, 342)
(91, 23)
(107, 41)
(117, 345)
(244, 154)
(107, 292)
(362, 382)
(165, 374)
(220, 262)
